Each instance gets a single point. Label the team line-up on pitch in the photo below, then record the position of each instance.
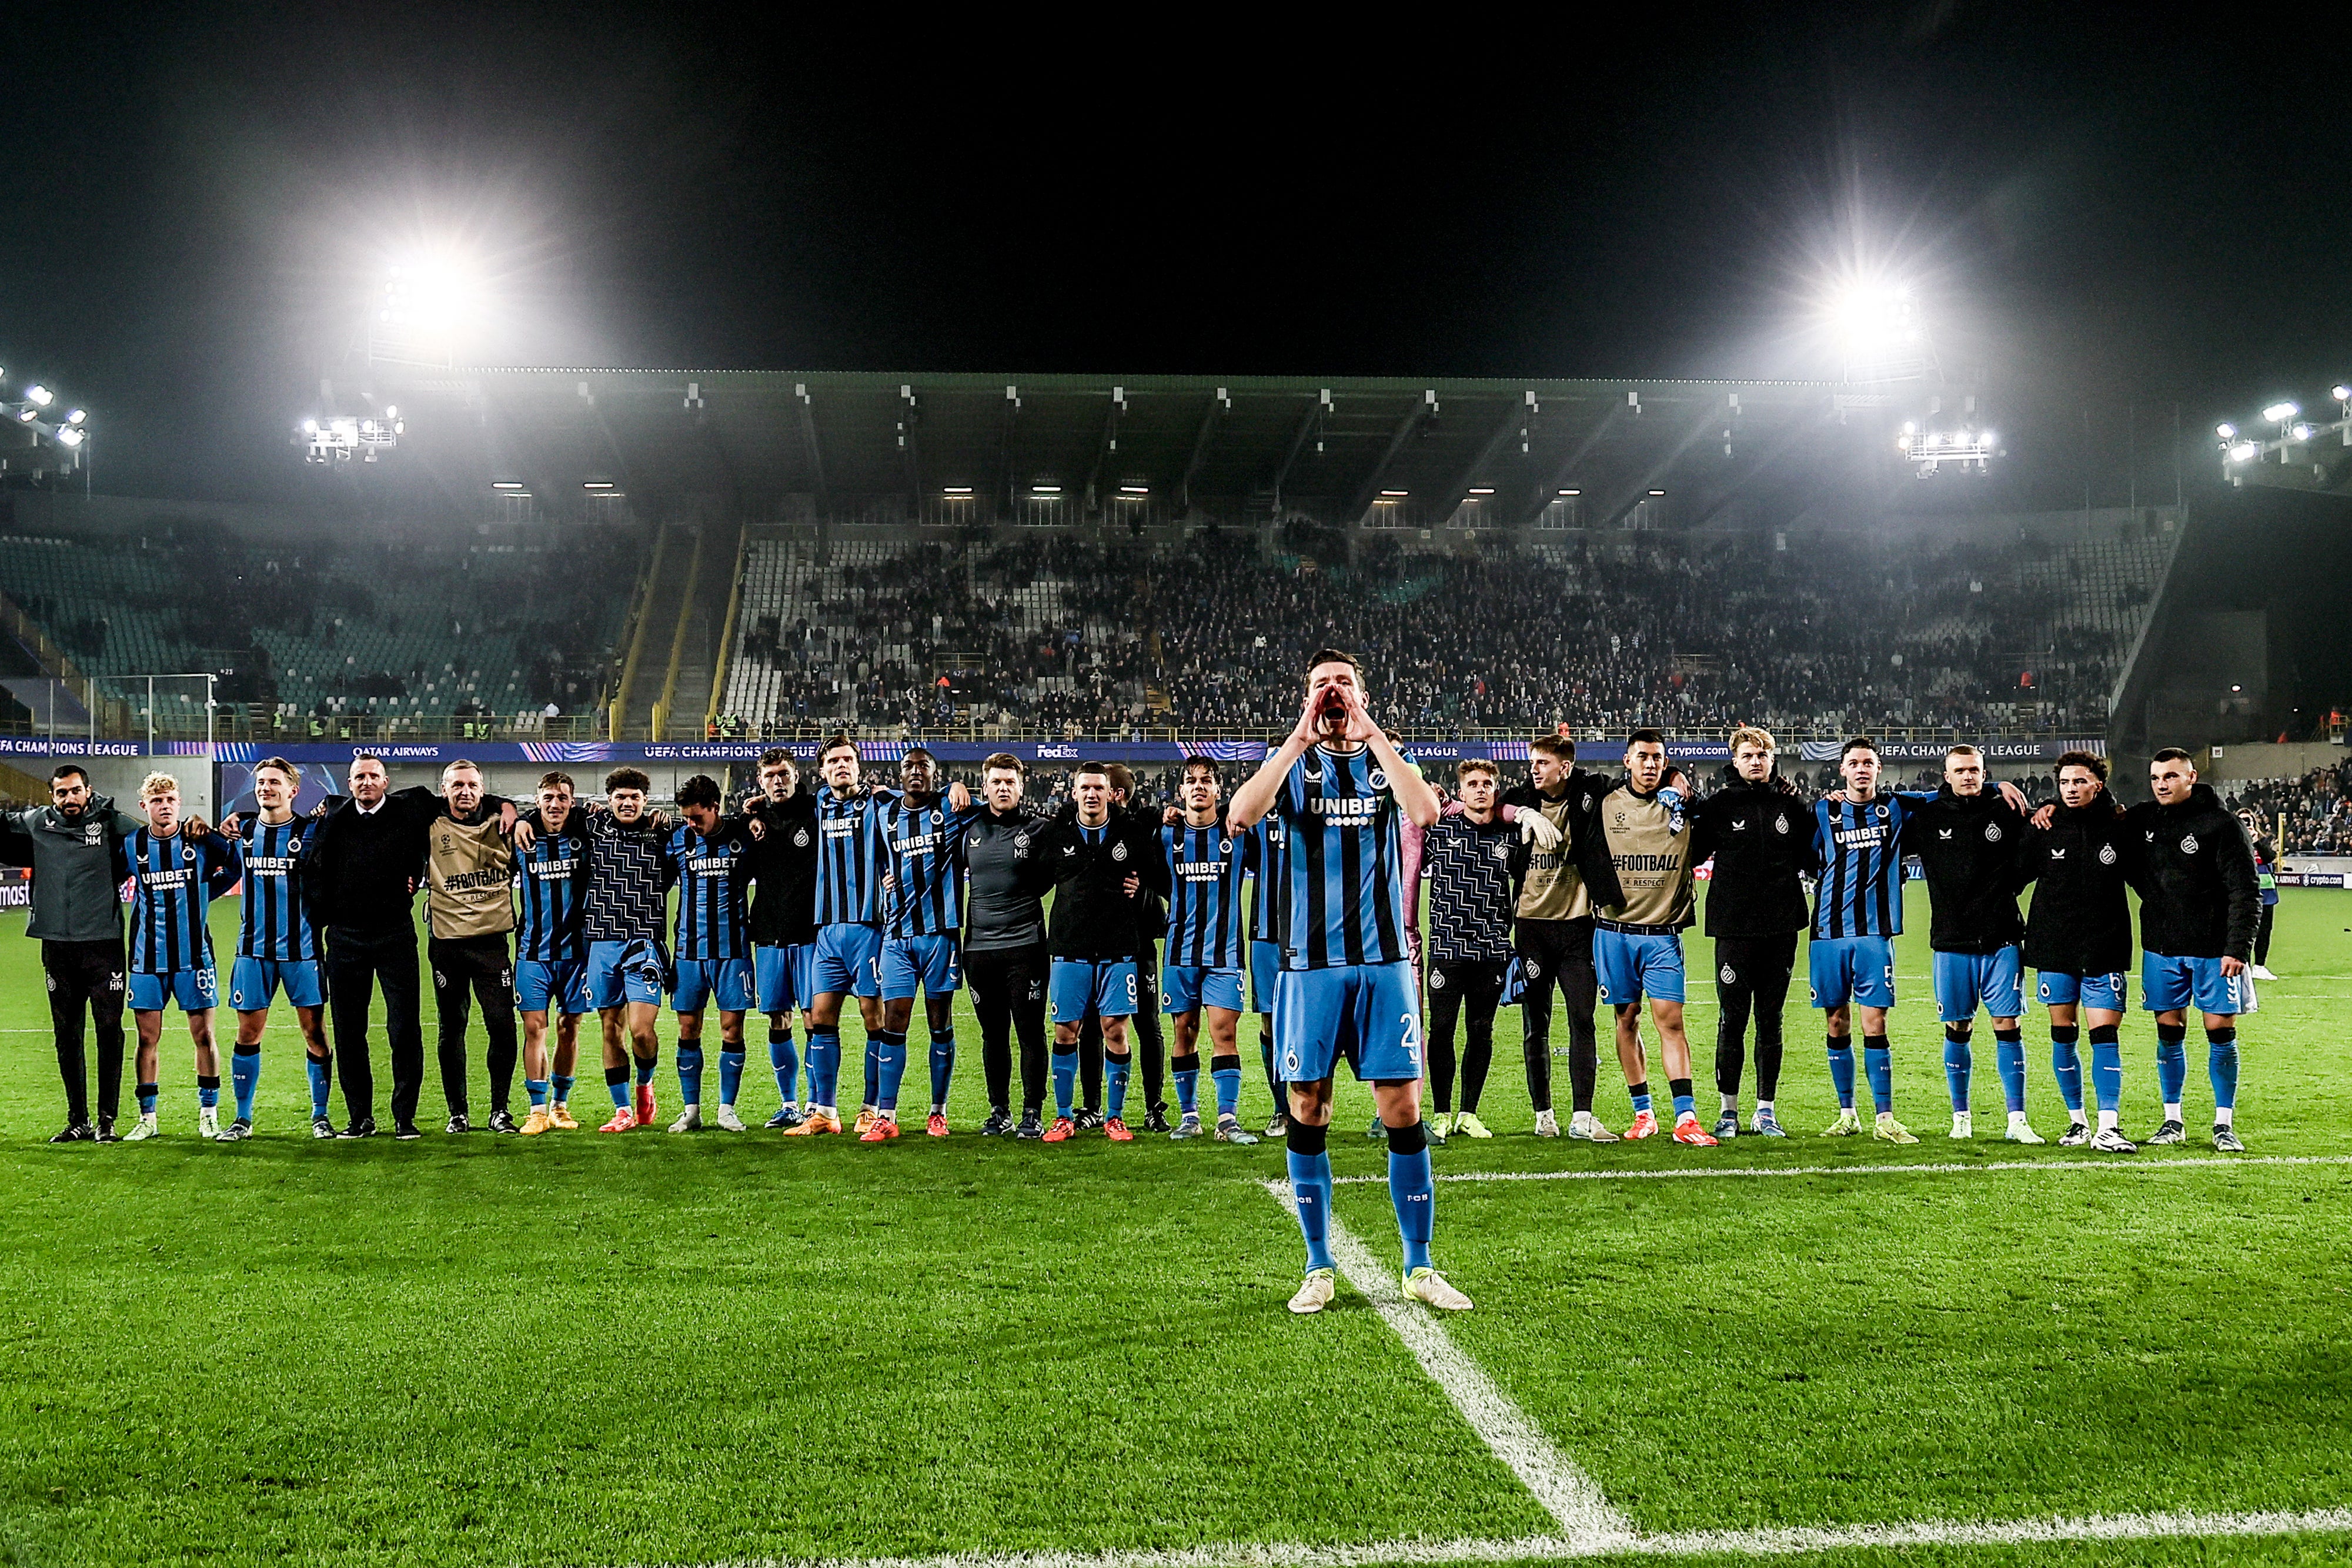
(802, 899)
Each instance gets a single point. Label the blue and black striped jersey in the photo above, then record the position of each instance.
(850, 856)
(274, 924)
(628, 880)
(1861, 889)
(553, 877)
(175, 879)
(1269, 841)
(1206, 868)
(1471, 898)
(924, 845)
(713, 914)
(1345, 868)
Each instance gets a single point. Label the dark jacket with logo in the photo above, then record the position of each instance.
(1093, 918)
(1762, 838)
(784, 864)
(77, 897)
(1001, 910)
(1973, 847)
(2199, 898)
(2080, 922)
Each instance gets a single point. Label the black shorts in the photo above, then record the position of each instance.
(1477, 980)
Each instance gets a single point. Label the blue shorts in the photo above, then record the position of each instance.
(193, 989)
(1078, 986)
(781, 976)
(1184, 989)
(1965, 981)
(2170, 984)
(1366, 1013)
(699, 979)
(1860, 969)
(253, 983)
(622, 972)
(1265, 964)
(930, 962)
(2058, 989)
(847, 962)
(1631, 967)
(559, 985)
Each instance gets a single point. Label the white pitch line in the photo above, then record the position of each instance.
(1763, 1542)
(1566, 1492)
(2103, 1166)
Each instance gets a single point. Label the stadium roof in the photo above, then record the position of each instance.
(938, 447)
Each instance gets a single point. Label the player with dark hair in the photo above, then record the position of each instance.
(1201, 865)
(2199, 905)
(629, 877)
(1857, 914)
(276, 947)
(1554, 938)
(849, 958)
(551, 952)
(1762, 847)
(1005, 949)
(784, 918)
(1466, 858)
(1972, 845)
(710, 856)
(1346, 990)
(922, 843)
(2080, 854)
(174, 876)
(1638, 868)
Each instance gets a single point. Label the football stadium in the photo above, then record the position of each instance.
(1748, 963)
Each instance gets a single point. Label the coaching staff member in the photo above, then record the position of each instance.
(77, 920)
(360, 880)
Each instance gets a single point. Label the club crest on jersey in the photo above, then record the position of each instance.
(1436, 983)
(2107, 854)
(187, 852)
(1882, 812)
(1118, 852)
(1779, 824)
(1993, 832)
(89, 834)
(935, 819)
(1727, 975)
(1378, 778)
(1224, 846)
(2188, 845)
(801, 839)
(1533, 969)
(1503, 853)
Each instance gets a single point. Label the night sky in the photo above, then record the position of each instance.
(2103, 207)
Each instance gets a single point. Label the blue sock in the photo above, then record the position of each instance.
(1414, 1195)
(1686, 1105)
(689, 1071)
(2221, 1066)
(1878, 1066)
(1640, 1095)
(785, 1064)
(890, 1057)
(1310, 1183)
(873, 1066)
(2172, 1061)
(2066, 1065)
(645, 1069)
(2009, 1051)
(730, 1073)
(2107, 1067)
(616, 1082)
(537, 1089)
(244, 1072)
(1187, 1070)
(560, 1086)
(823, 1066)
(942, 1066)
(147, 1093)
(1959, 1066)
(1841, 1069)
(208, 1093)
(1225, 1072)
(1065, 1079)
(320, 1071)
(1114, 1071)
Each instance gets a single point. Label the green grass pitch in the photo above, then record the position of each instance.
(648, 1349)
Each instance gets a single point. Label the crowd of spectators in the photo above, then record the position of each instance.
(2316, 808)
(1662, 632)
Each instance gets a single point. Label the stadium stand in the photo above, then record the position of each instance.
(2316, 808)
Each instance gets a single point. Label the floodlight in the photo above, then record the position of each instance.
(596, 484)
(505, 484)
(2303, 433)
(2244, 451)
(2340, 392)
(1987, 439)
(1045, 490)
(958, 490)
(27, 415)
(1571, 492)
(40, 394)
(1910, 427)
(76, 416)
(70, 438)
(1395, 494)
(1482, 489)
(2279, 413)
(309, 427)
(390, 411)
(2226, 431)
(1657, 492)
(1135, 489)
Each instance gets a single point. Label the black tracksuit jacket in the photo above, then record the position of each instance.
(1973, 847)
(2080, 922)
(1093, 918)
(1762, 838)
(2197, 895)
